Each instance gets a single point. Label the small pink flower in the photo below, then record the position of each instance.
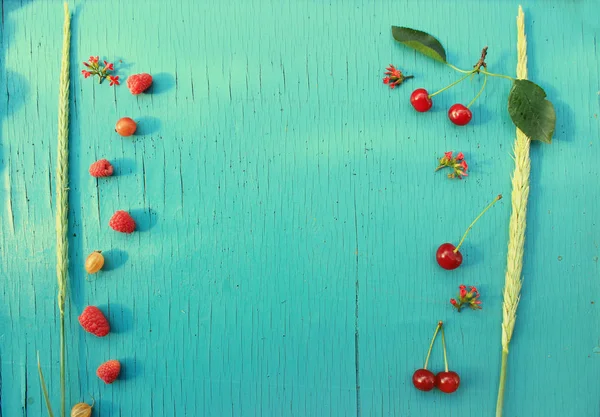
(456, 163)
(393, 71)
(86, 64)
(394, 77)
(86, 73)
(108, 66)
(114, 79)
(93, 60)
(465, 298)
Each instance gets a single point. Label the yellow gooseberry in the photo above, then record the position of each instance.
(94, 262)
(82, 409)
(126, 126)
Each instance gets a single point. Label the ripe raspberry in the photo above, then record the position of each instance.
(109, 371)
(122, 222)
(138, 83)
(93, 321)
(101, 168)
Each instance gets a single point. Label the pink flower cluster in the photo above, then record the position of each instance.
(470, 298)
(457, 163)
(94, 68)
(394, 77)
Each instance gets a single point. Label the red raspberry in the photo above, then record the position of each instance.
(101, 168)
(122, 222)
(93, 321)
(138, 83)
(109, 371)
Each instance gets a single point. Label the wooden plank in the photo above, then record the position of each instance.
(288, 211)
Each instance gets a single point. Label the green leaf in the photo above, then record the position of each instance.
(420, 41)
(530, 111)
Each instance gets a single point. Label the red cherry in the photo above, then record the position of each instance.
(423, 379)
(447, 258)
(447, 255)
(420, 100)
(447, 381)
(460, 115)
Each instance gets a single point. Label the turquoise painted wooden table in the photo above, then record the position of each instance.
(288, 210)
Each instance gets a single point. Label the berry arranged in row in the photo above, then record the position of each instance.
(126, 126)
(458, 114)
(122, 222)
(448, 255)
(109, 371)
(421, 100)
(423, 379)
(138, 83)
(101, 168)
(94, 262)
(447, 381)
(93, 321)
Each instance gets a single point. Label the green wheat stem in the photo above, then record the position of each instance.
(62, 196)
(516, 238)
(62, 208)
(44, 388)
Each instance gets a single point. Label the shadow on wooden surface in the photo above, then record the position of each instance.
(147, 125)
(145, 219)
(124, 166)
(131, 368)
(161, 83)
(114, 259)
(120, 318)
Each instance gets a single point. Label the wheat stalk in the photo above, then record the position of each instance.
(516, 238)
(62, 206)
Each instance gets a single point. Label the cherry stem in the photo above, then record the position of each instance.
(437, 329)
(453, 84)
(475, 221)
(480, 91)
(444, 347)
(458, 69)
(491, 74)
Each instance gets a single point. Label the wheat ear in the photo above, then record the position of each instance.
(62, 196)
(62, 207)
(516, 238)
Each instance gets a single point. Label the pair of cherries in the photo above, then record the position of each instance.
(447, 381)
(458, 114)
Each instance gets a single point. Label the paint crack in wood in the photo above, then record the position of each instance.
(356, 315)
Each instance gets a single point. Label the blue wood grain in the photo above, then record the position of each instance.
(288, 211)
